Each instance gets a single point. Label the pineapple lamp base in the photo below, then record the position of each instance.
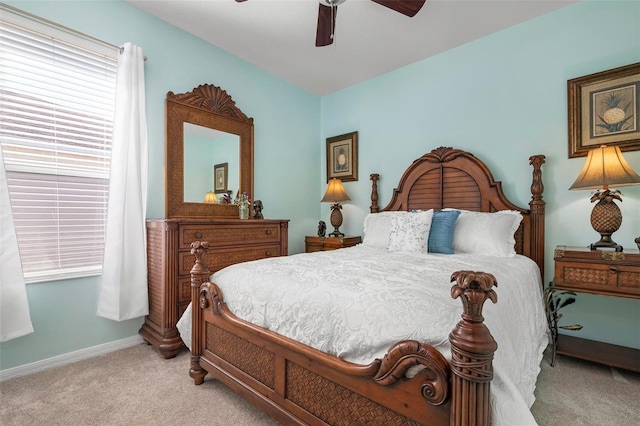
(336, 220)
(606, 219)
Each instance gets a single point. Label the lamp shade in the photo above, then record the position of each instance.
(335, 192)
(605, 166)
(210, 198)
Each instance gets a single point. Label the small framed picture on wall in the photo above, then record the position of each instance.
(342, 157)
(603, 110)
(220, 175)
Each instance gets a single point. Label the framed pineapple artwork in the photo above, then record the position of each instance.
(342, 157)
(603, 110)
(220, 177)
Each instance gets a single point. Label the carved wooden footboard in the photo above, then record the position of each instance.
(297, 384)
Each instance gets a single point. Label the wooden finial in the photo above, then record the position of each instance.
(472, 348)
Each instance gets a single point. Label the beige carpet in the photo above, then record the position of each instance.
(582, 393)
(135, 386)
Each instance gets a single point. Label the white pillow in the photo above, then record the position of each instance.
(377, 227)
(486, 233)
(410, 232)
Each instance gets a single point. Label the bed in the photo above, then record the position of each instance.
(318, 377)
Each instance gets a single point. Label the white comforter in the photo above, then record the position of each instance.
(356, 302)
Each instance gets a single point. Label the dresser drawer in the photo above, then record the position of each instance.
(232, 234)
(184, 289)
(602, 278)
(218, 259)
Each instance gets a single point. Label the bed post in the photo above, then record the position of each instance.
(374, 193)
(537, 207)
(472, 349)
(199, 275)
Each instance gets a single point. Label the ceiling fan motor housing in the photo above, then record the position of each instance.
(332, 2)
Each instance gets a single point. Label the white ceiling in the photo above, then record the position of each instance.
(279, 35)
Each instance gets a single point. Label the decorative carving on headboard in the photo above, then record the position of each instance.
(442, 154)
(213, 99)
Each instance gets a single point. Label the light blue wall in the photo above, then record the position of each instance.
(63, 312)
(504, 98)
(198, 167)
(201, 154)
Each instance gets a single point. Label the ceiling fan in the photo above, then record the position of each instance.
(328, 9)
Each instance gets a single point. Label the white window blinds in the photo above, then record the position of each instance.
(56, 115)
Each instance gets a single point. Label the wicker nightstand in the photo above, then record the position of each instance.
(329, 243)
(608, 273)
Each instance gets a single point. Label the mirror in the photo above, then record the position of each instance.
(206, 130)
(204, 149)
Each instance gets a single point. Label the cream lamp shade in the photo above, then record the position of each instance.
(210, 198)
(335, 194)
(605, 166)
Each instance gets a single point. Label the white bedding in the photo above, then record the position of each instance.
(356, 302)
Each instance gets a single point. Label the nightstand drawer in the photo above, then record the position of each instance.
(313, 244)
(598, 272)
(603, 278)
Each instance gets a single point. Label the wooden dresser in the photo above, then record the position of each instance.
(169, 263)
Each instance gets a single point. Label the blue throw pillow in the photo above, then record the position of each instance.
(443, 224)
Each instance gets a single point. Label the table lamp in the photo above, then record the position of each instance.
(606, 166)
(335, 194)
(210, 198)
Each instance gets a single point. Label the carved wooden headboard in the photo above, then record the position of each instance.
(452, 178)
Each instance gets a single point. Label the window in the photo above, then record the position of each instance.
(57, 94)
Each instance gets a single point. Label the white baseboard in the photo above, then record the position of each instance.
(68, 358)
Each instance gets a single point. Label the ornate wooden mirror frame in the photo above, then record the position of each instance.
(208, 106)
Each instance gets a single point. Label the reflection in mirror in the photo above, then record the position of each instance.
(203, 148)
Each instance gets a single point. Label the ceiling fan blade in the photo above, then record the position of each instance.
(406, 7)
(326, 25)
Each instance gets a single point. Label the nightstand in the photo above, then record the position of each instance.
(601, 272)
(312, 244)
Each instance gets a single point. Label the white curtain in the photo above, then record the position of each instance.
(15, 320)
(123, 291)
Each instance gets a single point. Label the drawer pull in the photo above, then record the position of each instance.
(613, 269)
(268, 231)
(198, 235)
(268, 253)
